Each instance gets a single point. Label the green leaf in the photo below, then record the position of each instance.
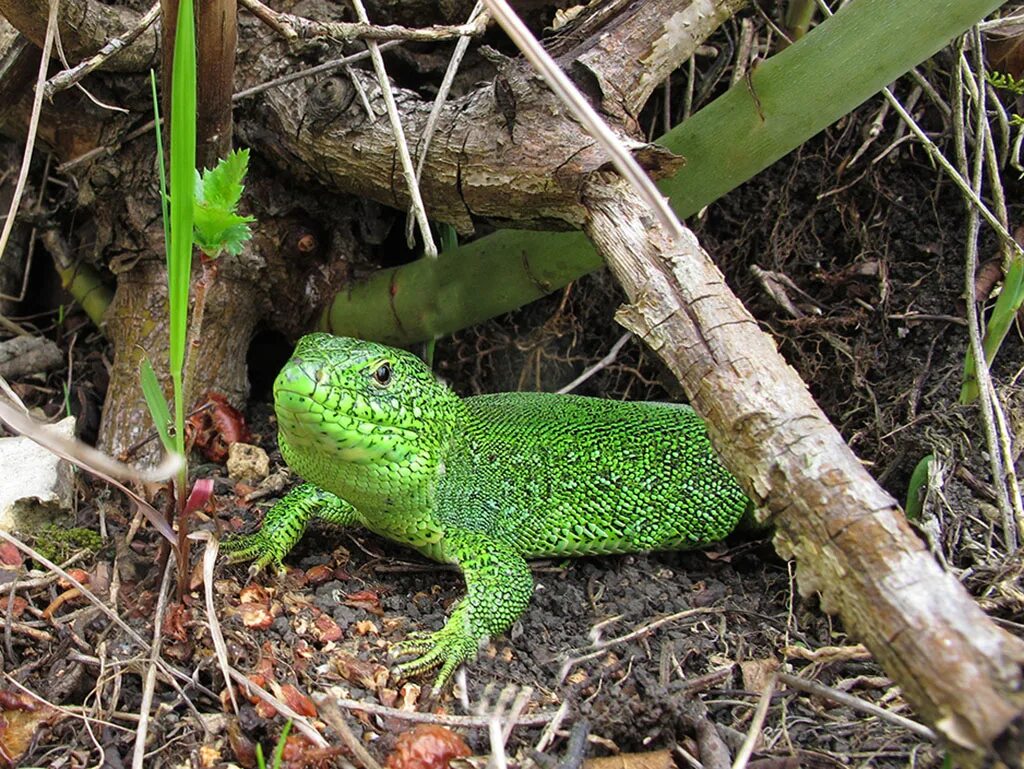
(917, 488)
(162, 172)
(218, 226)
(154, 395)
(278, 756)
(183, 164)
(1004, 313)
(222, 185)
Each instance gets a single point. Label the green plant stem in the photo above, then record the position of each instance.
(788, 99)
(179, 254)
(799, 14)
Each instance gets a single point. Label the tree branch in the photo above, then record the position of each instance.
(531, 171)
(86, 26)
(852, 543)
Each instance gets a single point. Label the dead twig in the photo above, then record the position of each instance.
(604, 363)
(401, 145)
(332, 714)
(69, 77)
(293, 27)
(468, 722)
(219, 645)
(169, 672)
(596, 648)
(33, 126)
(149, 685)
(745, 751)
(855, 703)
(435, 111)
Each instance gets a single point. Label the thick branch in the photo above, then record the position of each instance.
(851, 542)
(85, 27)
(508, 152)
(635, 52)
(520, 171)
(216, 41)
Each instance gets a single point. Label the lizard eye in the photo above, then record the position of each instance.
(382, 375)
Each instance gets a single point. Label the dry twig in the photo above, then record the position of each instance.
(294, 27)
(812, 687)
(74, 75)
(139, 754)
(411, 180)
(33, 127)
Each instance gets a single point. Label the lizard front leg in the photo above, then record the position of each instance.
(498, 588)
(285, 523)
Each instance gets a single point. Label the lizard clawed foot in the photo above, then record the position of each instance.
(246, 547)
(447, 648)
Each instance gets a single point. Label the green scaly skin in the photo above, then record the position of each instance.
(483, 482)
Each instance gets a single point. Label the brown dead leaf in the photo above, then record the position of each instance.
(410, 696)
(243, 748)
(368, 600)
(209, 756)
(20, 717)
(10, 556)
(79, 574)
(300, 753)
(318, 575)
(757, 674)
(18, 606)
(253, 593)
(355, 670)
(256, 615)
(176, 621)
(297, 701)
(326, 629)
(365, 627)
(428, 746)
(265, 710)
(1005, 51)
(989, 274)
(658, 759)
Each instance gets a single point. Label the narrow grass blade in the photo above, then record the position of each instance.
(1003, 315)
(182, 182)
(156, 402)
(161, 171)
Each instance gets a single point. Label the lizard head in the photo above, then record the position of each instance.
(359, 414)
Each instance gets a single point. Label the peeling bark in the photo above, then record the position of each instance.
(851, 542)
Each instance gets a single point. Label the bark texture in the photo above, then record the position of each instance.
(506, 152)
(851, 542)
(85, 26)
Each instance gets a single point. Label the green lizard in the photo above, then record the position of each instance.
(482, 482)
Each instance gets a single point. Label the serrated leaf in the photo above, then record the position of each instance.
(218, 227)
(222, 184)
(217, 230)
(156, 402)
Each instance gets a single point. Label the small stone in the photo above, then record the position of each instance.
(247, 463)
(36, 486)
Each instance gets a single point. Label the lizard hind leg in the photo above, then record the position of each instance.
(498, 588)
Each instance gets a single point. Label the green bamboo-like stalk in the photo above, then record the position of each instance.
(789, 98)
